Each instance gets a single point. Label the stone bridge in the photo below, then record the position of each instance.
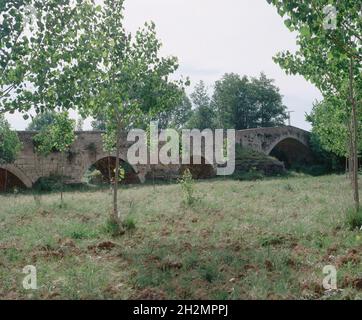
(288, 144)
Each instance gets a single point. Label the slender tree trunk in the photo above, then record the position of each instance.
(62, 181)
(153, 178)
(350, 155)
(354, 139)
(109, 172)
(6, 181)
(115, 215)
(347, 167)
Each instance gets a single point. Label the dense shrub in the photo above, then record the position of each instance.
(48, 184)
(94, 177)
(354, 219)
(326, 162)
(253, 165)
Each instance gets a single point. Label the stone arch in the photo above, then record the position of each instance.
(105, 162)
(291, 151)
(281, 139)
(199, 168)
(19, 174)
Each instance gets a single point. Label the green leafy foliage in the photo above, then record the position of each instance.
(14, 47)
(57, 137)
(176, 117)
(243, 103)
(124, 79)
(48, 184)
(37, 55)
(9, 142)
(129, 223)
(187, 185)
(354, 219)
(330, 58)
(41, 121)
(203, 115)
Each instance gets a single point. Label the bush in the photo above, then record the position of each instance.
(251, 175)
(111, 228)
(187, 186)
(354, 219)
(209, 272)
(81, 231)
(129, 223)
(254, 165)
(312, 170)
(94, 177)
(48, 184)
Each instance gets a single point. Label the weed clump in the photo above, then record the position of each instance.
(354, 219)
(129, 223)
(111, 227)
(188, 187)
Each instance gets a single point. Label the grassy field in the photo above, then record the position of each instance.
(243, 240)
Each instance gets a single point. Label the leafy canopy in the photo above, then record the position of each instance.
(203, 115)
(125, 79)
(9, 142)
(42, 120)
(243, 103)
(39, 62)
(323, 54)
(324, 57)
(57, 137)
(14, 46)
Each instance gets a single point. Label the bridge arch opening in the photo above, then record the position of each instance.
(9, 181)
(292, 152)
(199, 168)
(103, 172)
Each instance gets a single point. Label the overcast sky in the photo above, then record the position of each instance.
(212, 37)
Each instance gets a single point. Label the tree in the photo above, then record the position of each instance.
(39, 59)
(268, 102)
(177, 117)
(14, 46)
(203, 116)
(330, 56)
(57, 137)
(125, 79)
(241, 103)
(39, 47)
(80, 124)
(330, 124)
(41, 121)
(99, 124)
(9, 144)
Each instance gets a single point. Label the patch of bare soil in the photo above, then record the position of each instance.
(300, 250)
(114, 289)
(149, 294)
(357, 284)
(311, 289)
(352, 282)
(187, 246)
(269, 265)
(65, 247)
(105, 245)
(251, 267)
(352, 257)
(169, 264)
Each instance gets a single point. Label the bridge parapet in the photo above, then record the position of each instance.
(266, 139)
